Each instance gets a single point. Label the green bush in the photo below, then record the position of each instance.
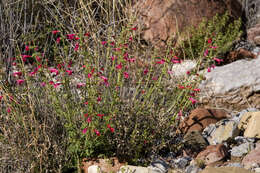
(213, 37)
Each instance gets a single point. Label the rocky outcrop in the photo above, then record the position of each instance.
(235, 86)
(200, 118)
(252, 11)
(213, 153)
(161, 19)
(250, 123)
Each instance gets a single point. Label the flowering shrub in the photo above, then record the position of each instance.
(210, 39)
(90, 91)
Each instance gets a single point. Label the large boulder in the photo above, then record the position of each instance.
(200, 118)
(252, 11)
(163, 18)
(235, 86)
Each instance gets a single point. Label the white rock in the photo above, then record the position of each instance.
(94, 169)
(181, 69)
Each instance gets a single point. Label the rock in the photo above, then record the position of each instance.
(233, 86)
(135, 169)
(250, 123)
(192, 169)
(242, 149)
(181, 69)
(257, 170)
(194, 142)
(252, 158)
(212, 154)
(237, 116)
(241, 140)
(235, 164)
(225, 170)
(239, 54)
(200, 118)
(94, 169)
(104, 165)
(257, 39)
(162, 19)
(221, 131)
(159, 166)
(181, 163)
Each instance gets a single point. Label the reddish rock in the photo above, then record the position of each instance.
(200, 118)
(252, 158)
(163, 18)
(212, 154)
(239, 54)
(253, 34)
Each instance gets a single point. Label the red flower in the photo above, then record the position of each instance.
(146, 71)
(55, 31)
(119, 66)
(103, 42)
(69, 72)
(97, 132)
(17, 74)
(20, 81)
(134, 29)
(162, 61)
(84, 130)
(126, 75)
(80, 85)
(100, 115)
(193, 101)
(86, 115)
(27, 48)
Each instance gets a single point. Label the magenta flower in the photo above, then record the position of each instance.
(193, 101)
(134, 29)
(100, 115)
(113, 58)
(71, 36)
(89, 75)
(24, 57)
(56, 85)
(27, 48)
(97, 132)
(54, 70)
(132, 60)
(206, 52)
(80, 85)
(17, 74)
(43, 84)
(209, 70)
(176, 61)
(99, 99)
(126, 75)
(154, 78)
(130, 38)
(69, 72)
(162, 61)
(103, 42)
(84, 130)
(218, 60)
(38, 59)
(146, 71)
(126, 56)
(1, 97)
(77, 38)
(209, 40)
(8, 110)
(196, 89)
(76, 48)
(58, 40)
(55, 31)
(119, 66)
(213, 47)
(19, 81)
(89, 119)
